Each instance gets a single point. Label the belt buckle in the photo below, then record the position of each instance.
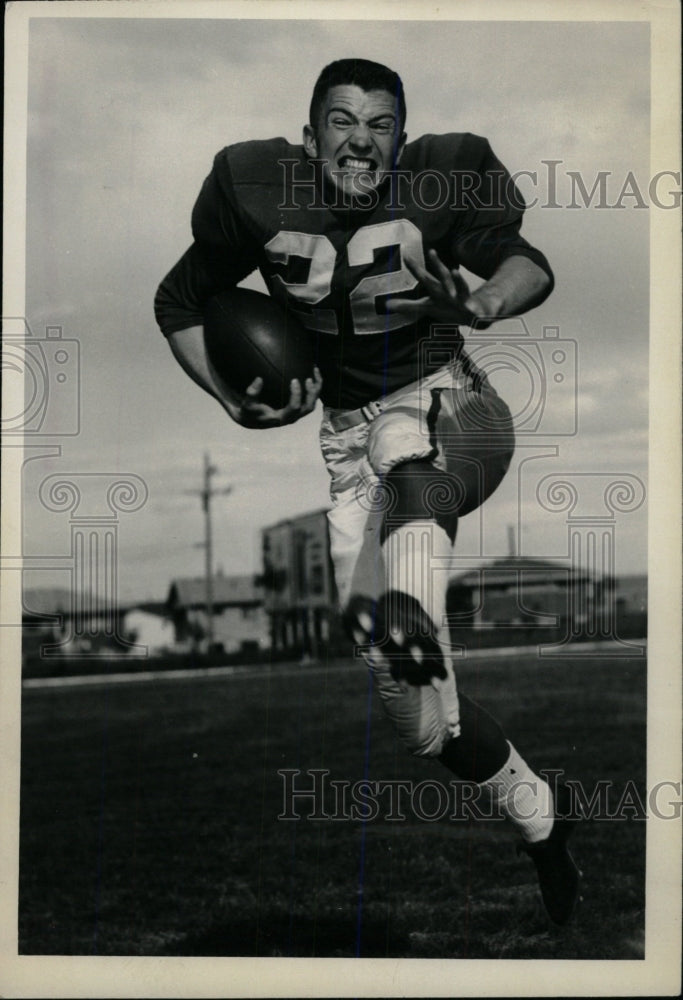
(371, 410)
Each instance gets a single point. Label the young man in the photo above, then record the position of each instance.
(361, 234)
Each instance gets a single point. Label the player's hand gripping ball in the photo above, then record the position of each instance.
(249, 335)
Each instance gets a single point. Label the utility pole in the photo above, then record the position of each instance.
(206, 494)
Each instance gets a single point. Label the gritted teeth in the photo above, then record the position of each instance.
(356, 163)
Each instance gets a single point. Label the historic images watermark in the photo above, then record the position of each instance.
(313, 795)
(42, 378)
(551, 186)
(42, 412)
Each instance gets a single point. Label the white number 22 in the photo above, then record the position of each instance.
(360, 250)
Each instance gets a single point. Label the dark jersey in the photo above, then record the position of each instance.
(264, 206)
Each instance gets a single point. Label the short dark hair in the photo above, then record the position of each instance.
(361, 73)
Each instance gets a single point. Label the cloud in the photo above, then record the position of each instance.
(125, 117)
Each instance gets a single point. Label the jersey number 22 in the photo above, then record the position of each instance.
(360, 250)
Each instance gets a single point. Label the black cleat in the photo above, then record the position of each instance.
(399, 627)
(558, 876)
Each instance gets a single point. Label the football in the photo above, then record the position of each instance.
(248, 334)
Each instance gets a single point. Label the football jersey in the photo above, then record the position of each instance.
(265, 205)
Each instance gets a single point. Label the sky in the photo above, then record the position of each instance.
(124, 118)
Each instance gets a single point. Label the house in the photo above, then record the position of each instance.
(238, 619)
(631, 594)
(518, 591)
(62, 622)
(45, 616)
(148, 625)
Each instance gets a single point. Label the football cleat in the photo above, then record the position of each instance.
(558, 876)
(401, 630)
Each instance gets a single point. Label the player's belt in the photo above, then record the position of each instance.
(342, 420)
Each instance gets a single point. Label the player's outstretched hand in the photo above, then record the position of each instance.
(448, 298)
(252, 413)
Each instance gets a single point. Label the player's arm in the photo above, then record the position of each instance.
(189, 349)
(211, 264)
(178, 310)
(517, 285)
(485, 238)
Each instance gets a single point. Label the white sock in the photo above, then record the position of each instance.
(418, 558)
(418, 561)
(523, 797)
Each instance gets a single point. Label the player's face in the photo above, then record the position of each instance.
(358, 136)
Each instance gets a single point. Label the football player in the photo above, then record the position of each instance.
(361, 234)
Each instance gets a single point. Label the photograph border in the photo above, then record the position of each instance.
(658, 974)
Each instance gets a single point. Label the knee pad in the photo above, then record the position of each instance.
(420, 491)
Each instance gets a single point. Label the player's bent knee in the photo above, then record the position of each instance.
(420, 491)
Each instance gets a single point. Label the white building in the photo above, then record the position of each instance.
(239, 620)
(150, 627)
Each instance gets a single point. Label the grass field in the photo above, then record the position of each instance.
(149, 820)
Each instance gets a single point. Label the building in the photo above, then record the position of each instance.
(148, 625)
(61, 622)
(510, 599)
(519, 591)
(45, 618)
(240, 623)
(631, 594)
(298, 580)
(537, 599)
